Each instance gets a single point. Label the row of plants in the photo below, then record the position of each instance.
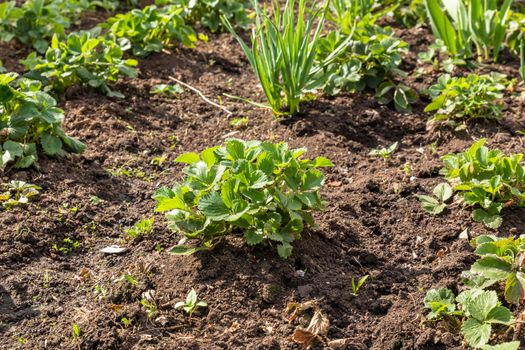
(95, 58)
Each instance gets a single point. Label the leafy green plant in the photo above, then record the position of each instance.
(82, 58)
(29, 117)
(261, 189)
(487, 180)
(410, 13)
(283, 54)
(33, 23)
(463, 24)
(500, 261)
(209, 12)
(384, 153)
(18, 193)
(166, 89)
(461, 99)
(436, 205)
(370, 60)
(345, 13)
(358, 285)
(151, 29)
(141, 227)
(480, 311)
(191, 304)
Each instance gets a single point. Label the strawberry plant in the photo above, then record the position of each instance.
(283, 51)
(151, 29)
(479, 312)
(209, 12)
(262, 190)
(33, 23)
(29, 118)
(487, 180)
(461, 99)
(371, 60)
(500, 261)
(82, 58)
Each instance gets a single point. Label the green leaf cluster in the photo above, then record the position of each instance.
(460, 99)
(283, 53)
(33, 23)
(208, 12)
(261, 189)
(82, 58)
(370, 60)
(29, 118)
(500, 262)
(151, 29)
(437, 204)
(479, 310)
(36, 21)
(487, 180)
(191, 304)
(18, 193)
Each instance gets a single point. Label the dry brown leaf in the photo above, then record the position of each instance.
(303, 337)
(338, 343)
(319, 324)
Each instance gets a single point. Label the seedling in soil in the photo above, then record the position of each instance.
(166, 89)
(191, 304)
(68, 245)
(260, 189)
(358, 285)
(151, 308)
(239, 123)
(18, 193)
(126, 322)
(75, 333)
(159, 161)
(436, 205)
(94, 200)
(385, 153)
(127, 277)
(142, 227)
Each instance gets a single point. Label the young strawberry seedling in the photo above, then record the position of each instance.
(191, 304)
(260, 189)
(384, 153)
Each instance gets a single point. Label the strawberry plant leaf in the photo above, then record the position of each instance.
(476, 333)
(213, 207)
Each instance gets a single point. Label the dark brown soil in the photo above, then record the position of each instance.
(373, 224)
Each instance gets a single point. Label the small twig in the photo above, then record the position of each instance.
(224, 109)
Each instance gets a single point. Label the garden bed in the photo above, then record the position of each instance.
(373, 224)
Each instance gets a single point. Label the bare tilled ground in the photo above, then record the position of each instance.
(373, 223)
